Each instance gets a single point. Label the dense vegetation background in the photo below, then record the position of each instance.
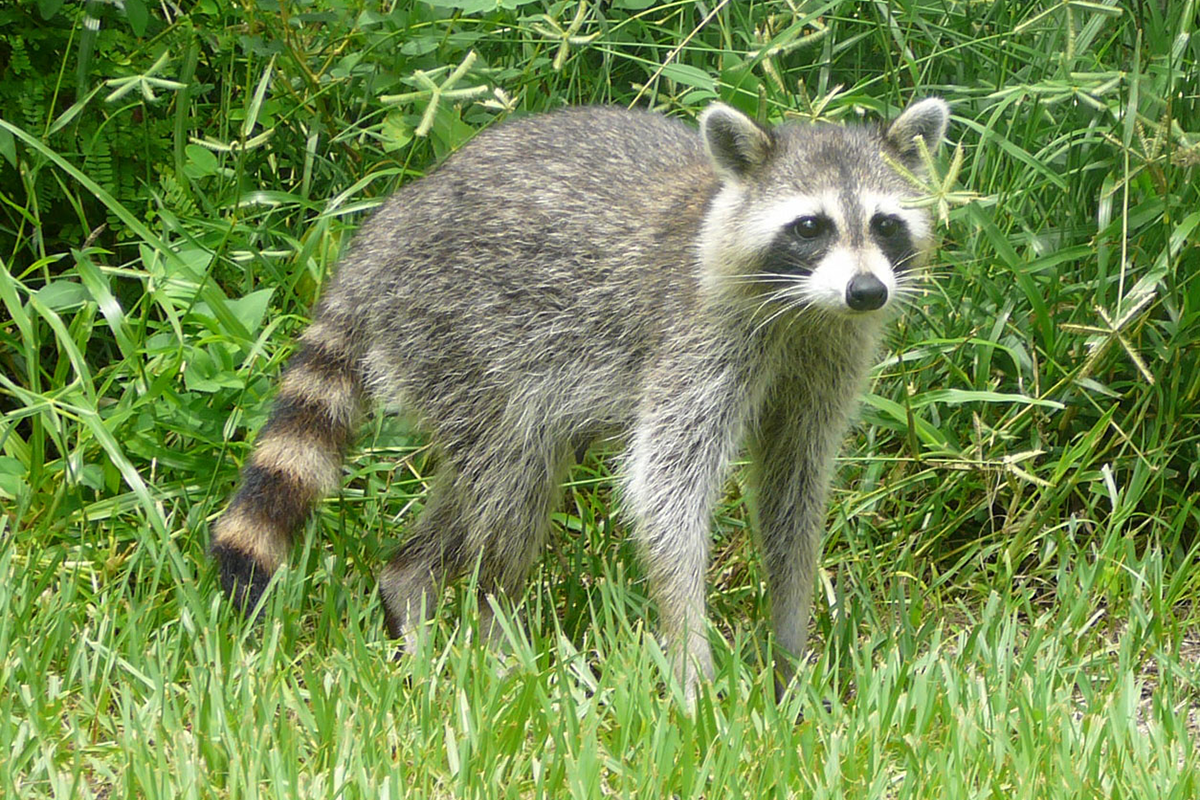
(1006, 607)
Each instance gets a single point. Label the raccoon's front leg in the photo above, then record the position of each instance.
(678, 456)
(792, 457)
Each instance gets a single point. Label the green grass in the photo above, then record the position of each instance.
(1006, 602)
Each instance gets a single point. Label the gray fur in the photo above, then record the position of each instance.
(601, 273)
(735, 143)
(925, 121)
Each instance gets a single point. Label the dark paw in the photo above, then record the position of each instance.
(243, 579)
(395, 626)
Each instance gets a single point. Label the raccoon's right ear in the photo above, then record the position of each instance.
(736, 144)
(925, 120)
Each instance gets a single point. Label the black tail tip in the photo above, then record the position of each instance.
(243, 579)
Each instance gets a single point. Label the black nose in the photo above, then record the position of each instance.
(866, 292)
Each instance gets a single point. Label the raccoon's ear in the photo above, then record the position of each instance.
(736, 144)
(926, 121)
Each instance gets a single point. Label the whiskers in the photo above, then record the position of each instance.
(759, 277)
(911, 284)
(786, 298)
(790, 298)
(778, 294)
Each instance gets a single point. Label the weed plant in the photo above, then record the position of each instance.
(1006, 602)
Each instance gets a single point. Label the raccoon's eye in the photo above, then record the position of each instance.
(886, 226)
(808, 227)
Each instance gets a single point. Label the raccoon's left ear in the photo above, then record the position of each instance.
(926, 121)
(736, 144)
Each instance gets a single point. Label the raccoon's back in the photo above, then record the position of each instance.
(535, 213)
(554, 245)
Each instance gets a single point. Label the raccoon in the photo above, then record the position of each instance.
(600, 273)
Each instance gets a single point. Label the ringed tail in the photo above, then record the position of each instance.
(296, 459)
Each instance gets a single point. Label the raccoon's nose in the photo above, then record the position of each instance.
(865, 292)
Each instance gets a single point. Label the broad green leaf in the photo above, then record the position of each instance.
(8, 148)
(62, 294)
(207, 374)
(396, 132)
(48, 8)
(250, 309)
(465, 6)
(138, 16)
(689, 76)
(200, 161)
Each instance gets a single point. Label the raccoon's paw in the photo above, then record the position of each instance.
(242, 577)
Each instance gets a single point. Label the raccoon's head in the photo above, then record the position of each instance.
(814, 216)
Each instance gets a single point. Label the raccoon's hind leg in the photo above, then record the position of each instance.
(434, 552)
(296, 460)
(493, 512)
